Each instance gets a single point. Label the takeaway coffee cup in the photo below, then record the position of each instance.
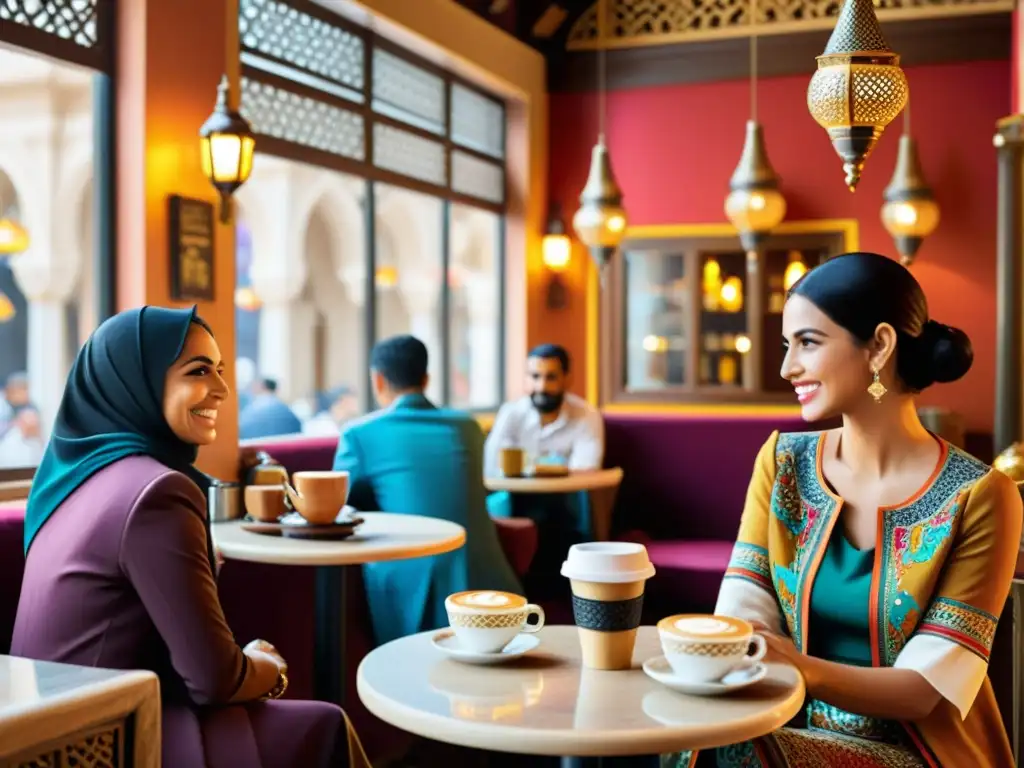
(608, 580)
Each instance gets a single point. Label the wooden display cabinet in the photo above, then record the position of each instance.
(688, 317)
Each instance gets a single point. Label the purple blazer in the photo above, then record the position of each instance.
(119, 577)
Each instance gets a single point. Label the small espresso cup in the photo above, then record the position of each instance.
(704, 649)
(485, 621)
(511, 461)
(265, 503)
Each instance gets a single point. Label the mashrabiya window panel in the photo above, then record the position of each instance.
(407, 92)
(477, 178)
(408, 154)
(275, 112)
(73, 20)
(477, 122)
(273, 28)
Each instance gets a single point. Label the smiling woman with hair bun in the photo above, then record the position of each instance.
(874, 557)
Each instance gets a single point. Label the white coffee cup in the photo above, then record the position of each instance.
(485, 621)
(703, 649)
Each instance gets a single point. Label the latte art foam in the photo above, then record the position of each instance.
(488, 600)
(705, 625)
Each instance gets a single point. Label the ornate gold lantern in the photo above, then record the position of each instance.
(600, 222)
(910, 212)
(859, 87)
(754, 205)
(1011, 462)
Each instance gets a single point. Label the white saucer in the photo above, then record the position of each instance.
(448, 644)
(658, 668)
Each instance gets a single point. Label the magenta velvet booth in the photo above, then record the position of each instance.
(683, 487)
(12, 566)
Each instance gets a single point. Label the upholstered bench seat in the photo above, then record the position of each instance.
(688, 572)
(12, 566)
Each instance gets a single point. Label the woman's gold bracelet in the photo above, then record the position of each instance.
(279, 688)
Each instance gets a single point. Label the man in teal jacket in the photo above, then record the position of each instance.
(413, 458)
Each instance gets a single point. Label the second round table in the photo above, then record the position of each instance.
(382, 536)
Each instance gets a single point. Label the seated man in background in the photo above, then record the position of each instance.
(411, 457)
(551, 425)
(267, 415)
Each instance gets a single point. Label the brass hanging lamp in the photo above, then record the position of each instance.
(754, 205)
(600, 222)
(859, 87)
(910, 212)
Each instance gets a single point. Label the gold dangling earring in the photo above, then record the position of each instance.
(877, 389)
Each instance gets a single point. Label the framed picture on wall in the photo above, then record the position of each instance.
(191, 226)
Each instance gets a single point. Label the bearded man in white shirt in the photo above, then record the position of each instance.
(551, 425)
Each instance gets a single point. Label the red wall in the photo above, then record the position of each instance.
(674, 148)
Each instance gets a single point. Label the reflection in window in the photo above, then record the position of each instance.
(46, 299)
(407, 275)
(299, 298)
(657, 319)
(474, 331)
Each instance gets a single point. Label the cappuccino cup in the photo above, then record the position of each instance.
(485, 621)
(608, 580)
(704, 649)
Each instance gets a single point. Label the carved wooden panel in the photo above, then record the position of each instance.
(478, 122)
(104, 747)
(409, 154)
(73, 20)
(298, 119)
(477, 178)
(407, 92)
(629, 23)
(72, 30)
(275, 29)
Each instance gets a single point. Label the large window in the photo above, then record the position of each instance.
(695, 319)
(54, 213)
(375, 208)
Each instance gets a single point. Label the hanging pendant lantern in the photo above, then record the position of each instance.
(910, 212)
(600, 223)
(754, 204)
(859, 87)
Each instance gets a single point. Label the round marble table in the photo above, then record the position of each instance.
(593, 480)
(382, 536)
(546, 704)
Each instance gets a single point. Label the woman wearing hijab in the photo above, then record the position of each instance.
(120, 569)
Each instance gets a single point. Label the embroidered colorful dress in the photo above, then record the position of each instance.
(926, 598)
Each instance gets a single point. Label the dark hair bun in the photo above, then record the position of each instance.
(940, 354)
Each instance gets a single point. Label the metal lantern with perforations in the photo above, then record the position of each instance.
(859, 87)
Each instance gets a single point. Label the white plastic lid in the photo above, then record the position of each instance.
(608, 562)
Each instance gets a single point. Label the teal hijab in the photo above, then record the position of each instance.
(112, 408)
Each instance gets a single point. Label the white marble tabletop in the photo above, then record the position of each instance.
(40, 702)
(575, 481)
(382, 536)
(546, 704)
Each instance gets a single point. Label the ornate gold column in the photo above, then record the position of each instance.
(1009, 143)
